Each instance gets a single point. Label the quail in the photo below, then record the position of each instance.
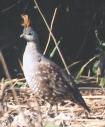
(44, 77)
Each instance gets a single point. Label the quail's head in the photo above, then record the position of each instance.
(28, 33)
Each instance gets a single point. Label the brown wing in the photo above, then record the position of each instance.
(60, 88)
(52, 78)
(50, 83)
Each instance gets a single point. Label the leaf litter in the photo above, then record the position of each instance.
(18, 107)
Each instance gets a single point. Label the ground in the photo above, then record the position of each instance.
(18, 108)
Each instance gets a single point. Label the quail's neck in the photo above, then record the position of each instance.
(33, 46)
(32, 52)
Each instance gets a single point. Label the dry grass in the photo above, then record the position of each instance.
(25, 112)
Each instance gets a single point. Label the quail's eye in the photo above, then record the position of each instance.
(30, 33)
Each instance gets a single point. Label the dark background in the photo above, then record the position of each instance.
(75, 23)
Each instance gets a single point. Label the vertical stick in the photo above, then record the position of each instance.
(51, 30)
(2, 60)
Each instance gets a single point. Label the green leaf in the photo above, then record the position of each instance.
(84, 66)
(51, 125)
(102, 82)
(95, 66)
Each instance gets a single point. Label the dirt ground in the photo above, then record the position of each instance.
(18, 108)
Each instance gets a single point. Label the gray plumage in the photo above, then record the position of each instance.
(44, 77)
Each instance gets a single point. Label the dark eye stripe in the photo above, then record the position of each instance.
(30, 33)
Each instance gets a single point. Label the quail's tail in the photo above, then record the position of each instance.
(77, 97)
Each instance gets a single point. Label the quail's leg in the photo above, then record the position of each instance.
(49, 109)
(39, 110)
(56, 109)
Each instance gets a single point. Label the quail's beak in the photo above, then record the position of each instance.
(21, 36)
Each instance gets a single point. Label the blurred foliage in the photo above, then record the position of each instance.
(96, 60)
(102, 82)
(98, 65)
(95, 66)
(84, 66)
(100, 43)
